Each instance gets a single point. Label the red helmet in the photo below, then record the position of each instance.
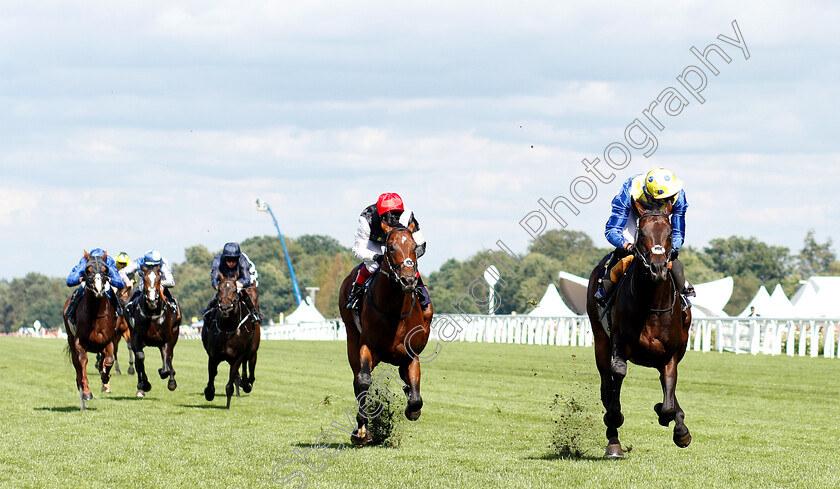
(389, 202)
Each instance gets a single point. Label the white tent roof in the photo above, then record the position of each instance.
(573, 291)
(305, 313)
(712, 297)
(551, 304)
(761, 302)
(782, 307)
(818, 298)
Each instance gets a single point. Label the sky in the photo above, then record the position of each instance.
(138, 125)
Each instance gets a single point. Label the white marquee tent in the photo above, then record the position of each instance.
(552, 304)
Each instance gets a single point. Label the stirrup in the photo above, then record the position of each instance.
(688, 290)
(686, 304)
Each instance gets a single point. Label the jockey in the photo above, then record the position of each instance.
(659, 187)
(75, 278)
(227, 263)
(150, 259)
(370, 239)
(122, 262)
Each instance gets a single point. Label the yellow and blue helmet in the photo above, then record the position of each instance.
(122, 258)
(661, 184)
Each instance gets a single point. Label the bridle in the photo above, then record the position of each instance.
(656, 249)
(393, 271)
(97, 264)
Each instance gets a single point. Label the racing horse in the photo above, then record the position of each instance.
(123, 332)
(391, 326)
(231, 334)
(156, 323)
(647, 327)
(96, 326)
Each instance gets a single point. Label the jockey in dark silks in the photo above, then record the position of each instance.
(370, 238)
(659, 188)
(75, 278)
(227, 263)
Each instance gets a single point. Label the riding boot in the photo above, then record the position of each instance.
(353, 301)
(605, 287)
(423, 295)
(70, 312)
(116, 304)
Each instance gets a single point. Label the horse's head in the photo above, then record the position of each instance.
(152, 288)
(653, 240)
(228, 294)
(96, 276)
(400, 258)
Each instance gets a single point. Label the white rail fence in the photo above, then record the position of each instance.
(802, 337)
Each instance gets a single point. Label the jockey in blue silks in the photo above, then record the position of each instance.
(75, 278)
(167, 280)
(659, 188)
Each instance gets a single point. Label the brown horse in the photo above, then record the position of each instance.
(96, 326)
(648, 327)
(156, 323)
(230, 334)
(391, 326)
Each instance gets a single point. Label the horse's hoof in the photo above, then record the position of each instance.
(163, 373)
(209, 394)
(140, 393)
(106, 388)
(614, 451)
(172, 385)
(683, 441)
(146, 386)
(360, 437)
(413, 415)
(130, 370)
(247, 387)
(118, 372)
(87, 396)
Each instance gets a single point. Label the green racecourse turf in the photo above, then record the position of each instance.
(757, 421)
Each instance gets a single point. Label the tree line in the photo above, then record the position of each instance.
(321, 261)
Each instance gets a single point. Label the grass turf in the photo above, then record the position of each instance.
(488, 421)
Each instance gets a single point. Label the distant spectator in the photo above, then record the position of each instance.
(753, 313)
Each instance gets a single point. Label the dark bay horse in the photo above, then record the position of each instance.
(230, 334)
(96, 322)
(156, 323)
(648, 327)
(391, 327)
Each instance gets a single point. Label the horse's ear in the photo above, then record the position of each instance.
(105, 256)
(640, 209)
(669, 206)
(412, 226)
(87, 255)
(386, 227)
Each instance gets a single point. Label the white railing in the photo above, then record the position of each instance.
(531, 330)
(771, 336)
(331, 329)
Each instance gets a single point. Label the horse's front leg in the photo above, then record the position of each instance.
(611, 386)
(143, 384)
(212, 370)
(166, 353)
(79, 357)
(411, 376)
(233, 379)
(669, 409)
(361, 387)
(108, 359)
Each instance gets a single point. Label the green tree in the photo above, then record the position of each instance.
(815, 258)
